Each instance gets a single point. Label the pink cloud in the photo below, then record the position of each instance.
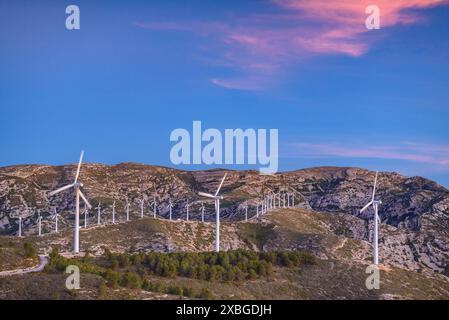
(425, 153)
(241, 84)
(261, 46)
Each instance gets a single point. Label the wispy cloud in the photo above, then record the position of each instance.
(407, 151)
(259, 47)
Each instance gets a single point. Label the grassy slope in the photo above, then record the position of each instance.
(340, 273)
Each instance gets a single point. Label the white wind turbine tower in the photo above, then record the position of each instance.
(375, 203)
(202, 212)
(170, 206)
(39, 221)
(76, 185)
(216, 198)
(86, 213)
(56, 216)
(142, 202)
(98, 213)
(20, 226)
(127, 209)
(264, 205)
(113, 212)
(154, 206)
(187, 210)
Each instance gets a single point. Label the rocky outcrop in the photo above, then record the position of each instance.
(414, 210)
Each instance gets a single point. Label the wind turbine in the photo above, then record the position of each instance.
(142, 202)
(170, 206)
(375, 203)
(76, 185)
(39, 221)
(86, 212)
(202, 212)
(187, 210)
(113, 212)
(20, 226)
(154, 206)
(217, 199)
(127, 209)
(273, 195)
(56, 216)
(98, 213)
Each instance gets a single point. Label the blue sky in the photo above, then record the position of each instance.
(338, 93)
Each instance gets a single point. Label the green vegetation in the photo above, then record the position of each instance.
(137, 271)
(224, 266)
(29, 250)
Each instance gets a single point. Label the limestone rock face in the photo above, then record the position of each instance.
(414, 210)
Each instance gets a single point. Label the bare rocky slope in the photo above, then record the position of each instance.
(414, 213)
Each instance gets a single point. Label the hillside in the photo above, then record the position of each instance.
(414, 212)
(338, 274)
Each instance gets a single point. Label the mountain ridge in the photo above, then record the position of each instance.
(417, 209)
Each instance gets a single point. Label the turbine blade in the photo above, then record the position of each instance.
(60, 189)
(221, 183)
(79, 166)
(208, 195)
(85, 200)
(366, 207)
(374, 188)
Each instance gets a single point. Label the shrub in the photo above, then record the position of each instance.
(205, 294)
(131, 280)
(188, 292)
(56, 263)
(112, 277)
(252, 274)
(102, 290)
(29, 250)
(175, 290)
